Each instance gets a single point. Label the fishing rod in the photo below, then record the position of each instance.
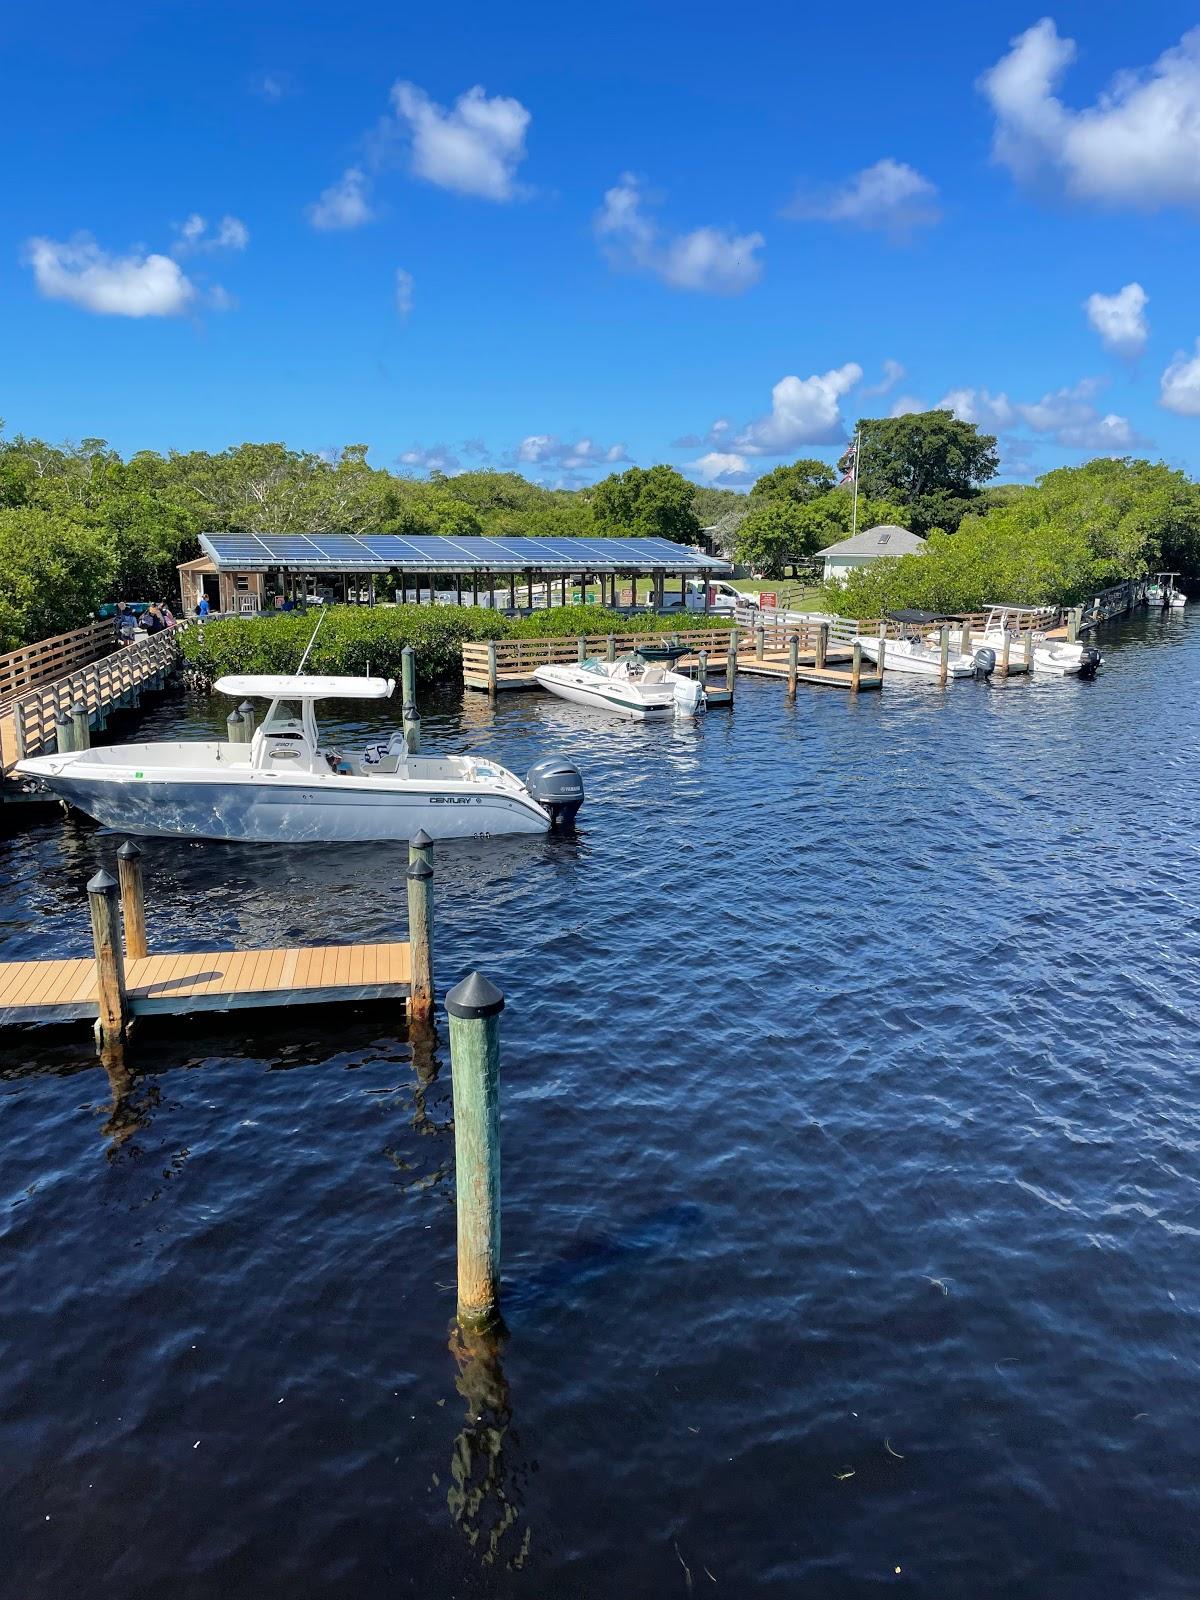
(312, 640)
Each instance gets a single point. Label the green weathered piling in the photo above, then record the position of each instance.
(474, 1008)
(64, 734)
(248, 715)
(420, 848)
(411, 718)
(235, 728)
(81, 733)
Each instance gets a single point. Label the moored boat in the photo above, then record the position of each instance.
(912, 653)
(632, 686)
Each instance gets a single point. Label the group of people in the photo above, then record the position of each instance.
(154, 619)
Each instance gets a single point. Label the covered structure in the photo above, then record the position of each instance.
(260, 570)
(868, 546)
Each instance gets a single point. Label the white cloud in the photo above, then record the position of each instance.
(437, 458)
(1067, 417)
(1180, 384)
(724, 469)
(890, 196)
(231, 234)
(1138, 145)
(345, 204)
(547, 449)
(803, 411)
(708, 260)
(404, 292)
(1120, 319)
(273, 86)
(905, 405)
(135, 285)
(892, 374)
(474, 148)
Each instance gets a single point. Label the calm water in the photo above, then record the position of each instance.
(851, 1135)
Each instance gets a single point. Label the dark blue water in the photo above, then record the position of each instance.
(851, 1133)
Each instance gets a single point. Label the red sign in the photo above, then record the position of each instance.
(765, 599)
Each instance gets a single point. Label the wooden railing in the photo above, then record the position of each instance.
(48, 659)
(98, 687)
(521, 656)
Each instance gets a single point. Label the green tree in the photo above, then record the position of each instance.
(771, 537)
(799, 481)
(54, 570)
(928, 461)
(647, 503)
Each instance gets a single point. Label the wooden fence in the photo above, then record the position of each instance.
(51, 658)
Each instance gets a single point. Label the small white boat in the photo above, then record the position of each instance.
(1163, 592)
(913, 653)
(1057, 656)
(285, 787)
(632, 686)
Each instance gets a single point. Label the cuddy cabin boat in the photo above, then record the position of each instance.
(1163, 592)
(1062, 657)
(914, 653)
(285, 787)
(639, 686)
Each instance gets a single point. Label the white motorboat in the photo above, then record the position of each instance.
(1163, 592)
(634, 686)
(285, 787)
(1062, 657)
(913, 653)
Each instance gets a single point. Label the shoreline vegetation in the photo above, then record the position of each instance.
(354, 637)
(81, 525)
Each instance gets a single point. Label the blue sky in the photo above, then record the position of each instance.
(565, 239)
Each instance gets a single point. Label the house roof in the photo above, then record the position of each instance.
(886, 540)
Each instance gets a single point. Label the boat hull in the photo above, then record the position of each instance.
(923, 666)
(605, 696)
(266, 812)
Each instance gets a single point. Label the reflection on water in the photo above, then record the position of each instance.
(130, 1109)
(487, 1473)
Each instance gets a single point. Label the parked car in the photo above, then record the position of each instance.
(723, 597)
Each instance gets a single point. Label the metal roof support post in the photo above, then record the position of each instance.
(512, 591)
(529, 586)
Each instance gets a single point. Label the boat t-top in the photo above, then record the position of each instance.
(1062, 657)
(285, 786)
(1163, 592)
(915, 653)
(639, 685)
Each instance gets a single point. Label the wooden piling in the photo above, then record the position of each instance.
(81, 733)
(411, 721)
(64, 734)
(702, 669)
(856, 667)
(133, 900)
(491, 668)
(110, 966)
(882, 648)
(1005, 648)
(793, 664)
(420, 848)
(249, 716)
(760, 639)
(1029, 650)
(1073, 618)
(731, 660)
(944, 653)
(474, 1008)
(580, 649)
(420, 938)
(612, 648)
(235, 728)
(822, 647)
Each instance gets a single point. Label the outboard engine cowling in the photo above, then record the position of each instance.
(985, 662)
(557, 786)
(1089, 661)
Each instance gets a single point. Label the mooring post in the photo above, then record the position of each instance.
(492, 678)
(81, 733)
(1029, 650)
(420, 940)
(944, 652)
(64, 734)
(882, 648)
(612, 648)
(760, 640)
(580, 649)
(133, 900)
(235, 728)
(410, 715)
(793, 664)
(822, 649)
(1073, 616)
(731, 660)
(702, 669)
(248, 715)
(855, 667)
(111, 999)
(420, 848)
(474, 1008)
(1005, 650)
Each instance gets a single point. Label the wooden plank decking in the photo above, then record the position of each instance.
(214, 980)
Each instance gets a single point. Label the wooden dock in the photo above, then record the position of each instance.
(66, 991)
(499, 665)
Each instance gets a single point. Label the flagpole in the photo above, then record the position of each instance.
(854, 514)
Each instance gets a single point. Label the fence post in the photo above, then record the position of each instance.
(133, 900)
(81, 734)
(112, 1002)
(411, 718)
(492, 679)
(855, 667)
(943, 652)
(64, 734)
(474, 1008)
(420, 939)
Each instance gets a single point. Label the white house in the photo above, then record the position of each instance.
(868, 546)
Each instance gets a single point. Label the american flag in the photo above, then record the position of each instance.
(849, 464)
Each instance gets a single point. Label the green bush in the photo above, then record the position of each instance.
(353, 637)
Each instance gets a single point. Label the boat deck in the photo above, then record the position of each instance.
(213, 980)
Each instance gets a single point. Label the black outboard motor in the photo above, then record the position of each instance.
(1089, 661)
(557, 786)
(985, 662)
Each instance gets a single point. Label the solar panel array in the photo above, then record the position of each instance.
(380, 552)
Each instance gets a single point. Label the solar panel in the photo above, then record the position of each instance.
(437, 552)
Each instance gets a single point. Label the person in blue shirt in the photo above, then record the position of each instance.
(202, 608)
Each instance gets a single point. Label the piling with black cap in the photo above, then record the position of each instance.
(420, 848)
(420, 940)
(111, 999)
(64, 734)
(412, 720)
(474, 1008)
(81, 733)
(248, 715)
(133, 901)
(235, 728)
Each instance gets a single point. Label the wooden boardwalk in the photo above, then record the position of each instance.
(213, 980)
